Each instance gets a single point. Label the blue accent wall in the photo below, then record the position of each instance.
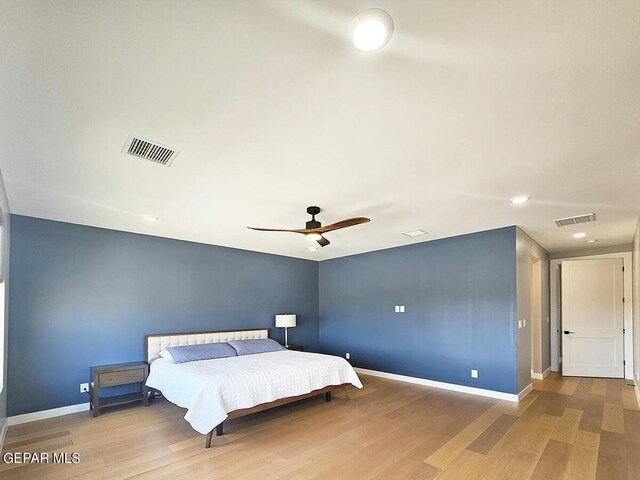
(82, 296)
(460, 298)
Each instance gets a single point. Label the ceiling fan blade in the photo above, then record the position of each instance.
(323, 242)
(343, 224)
(278, 230)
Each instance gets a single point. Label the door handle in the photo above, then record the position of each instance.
(567, 332)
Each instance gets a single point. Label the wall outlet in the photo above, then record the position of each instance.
(519, 324)
(347, 355)
(84, 388)
(524, 323)
(474, 373)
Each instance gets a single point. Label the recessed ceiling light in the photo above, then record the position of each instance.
(313, 236)
(520, 200)
(579, 235)
(150, 218)
(414, 233)
(591, 241)
(371, 29)
(312, 249)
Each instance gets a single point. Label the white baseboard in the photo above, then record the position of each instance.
(41, 415)
(637, 394)
(540, 376)
(525, 391)
(3, 431)
(512, 397)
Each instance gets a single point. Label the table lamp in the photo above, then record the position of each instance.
(286, 320)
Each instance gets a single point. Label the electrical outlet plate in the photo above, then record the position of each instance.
(474, 373)
(84, 388)
(347, 355)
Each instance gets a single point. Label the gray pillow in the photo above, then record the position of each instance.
(204, 351)
(249, 347)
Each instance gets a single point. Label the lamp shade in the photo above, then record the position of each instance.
(286, 320)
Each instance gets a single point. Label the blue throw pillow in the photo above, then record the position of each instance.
(204, 351)
(249, 347)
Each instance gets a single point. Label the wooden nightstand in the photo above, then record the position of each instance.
(118, 374)
(298, 348)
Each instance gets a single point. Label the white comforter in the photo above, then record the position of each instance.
(209, 389)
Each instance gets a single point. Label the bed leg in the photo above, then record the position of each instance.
(327, 397)
(219, 430)
(207, 442)
(346, 394)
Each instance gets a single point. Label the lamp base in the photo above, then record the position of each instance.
(286, 337)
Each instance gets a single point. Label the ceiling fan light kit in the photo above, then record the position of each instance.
(314, 230)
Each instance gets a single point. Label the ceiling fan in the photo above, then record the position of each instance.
(314, 230)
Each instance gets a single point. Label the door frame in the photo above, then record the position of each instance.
(554, 300)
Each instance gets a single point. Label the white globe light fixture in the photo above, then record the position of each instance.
(371, 29)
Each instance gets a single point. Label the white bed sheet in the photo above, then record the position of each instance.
(209, 389)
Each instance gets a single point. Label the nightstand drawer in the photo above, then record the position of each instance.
(298, 348)
(121, 378)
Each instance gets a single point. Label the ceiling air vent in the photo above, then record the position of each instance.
(586, 218)
(152, 151)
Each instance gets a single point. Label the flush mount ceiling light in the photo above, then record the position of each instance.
(150, 218)
(414, 233)
(520, 200)
(371, 29)
(312, 249)
(591, 241)
(579, 235)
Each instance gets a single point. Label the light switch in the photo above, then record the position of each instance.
(401, 308)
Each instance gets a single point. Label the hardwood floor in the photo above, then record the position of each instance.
(567, 428)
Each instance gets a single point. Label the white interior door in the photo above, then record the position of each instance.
(593, 318)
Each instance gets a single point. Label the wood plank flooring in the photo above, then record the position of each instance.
(567, 428)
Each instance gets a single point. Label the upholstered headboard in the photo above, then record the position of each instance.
(156, 343)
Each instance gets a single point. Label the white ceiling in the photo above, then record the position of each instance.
(272, 108)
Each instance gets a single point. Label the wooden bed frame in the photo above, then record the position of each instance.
(155, 343)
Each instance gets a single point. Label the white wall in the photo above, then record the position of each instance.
(4, 310)
(556, 320)
(636, 306)
(526, 247)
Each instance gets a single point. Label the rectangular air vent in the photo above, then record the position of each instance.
(586, 218)
(148, 150)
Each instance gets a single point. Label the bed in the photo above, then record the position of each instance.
(215, 390)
